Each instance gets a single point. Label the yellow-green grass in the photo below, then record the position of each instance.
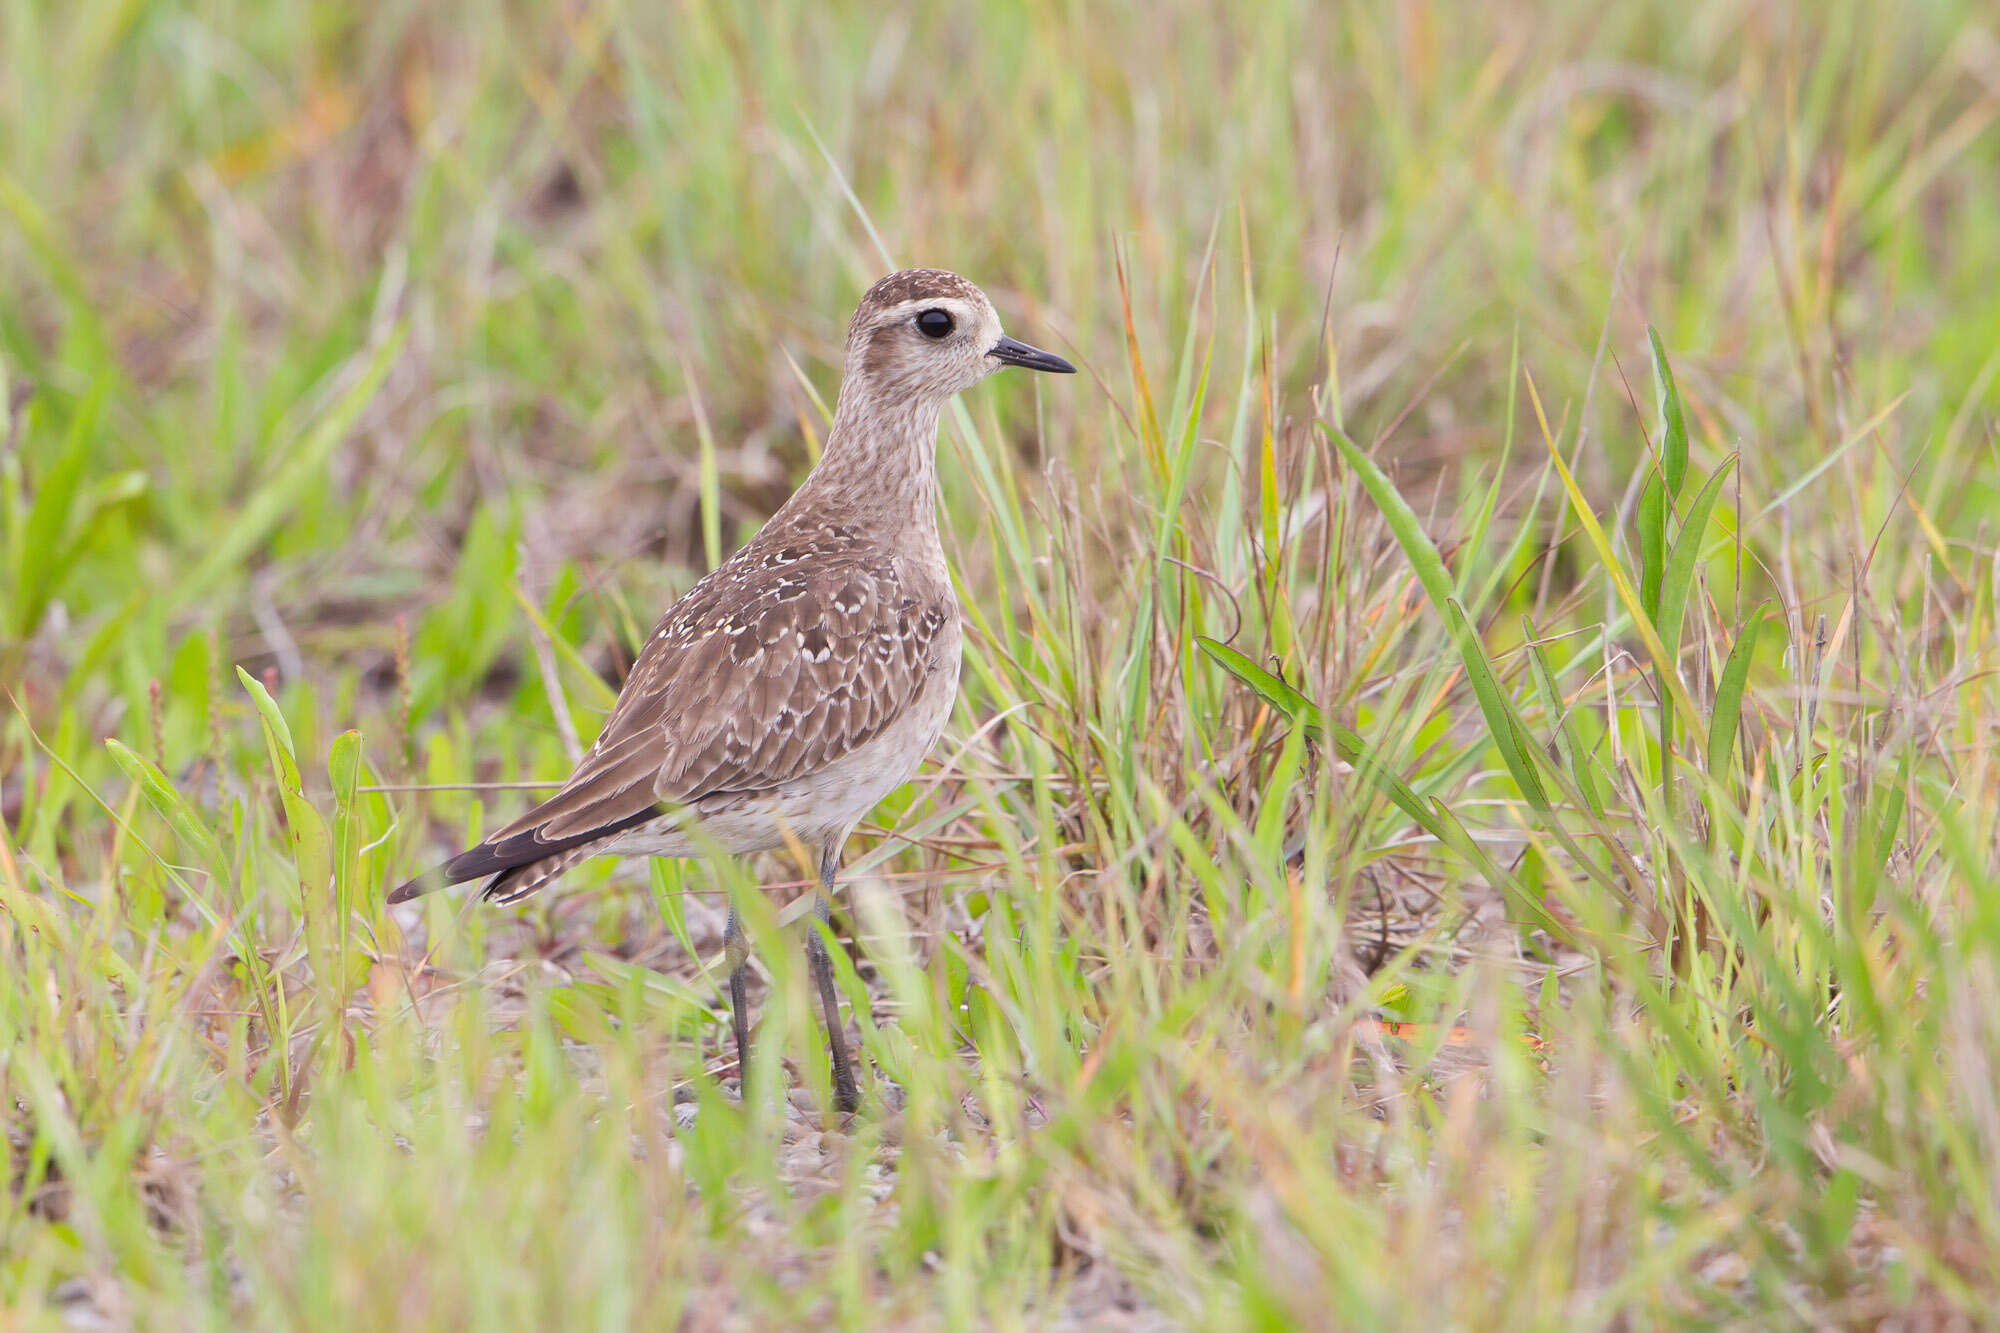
(1383, 598)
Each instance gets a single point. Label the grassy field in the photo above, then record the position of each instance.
(1473, 801)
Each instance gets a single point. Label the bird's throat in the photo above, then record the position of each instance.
(879, 465)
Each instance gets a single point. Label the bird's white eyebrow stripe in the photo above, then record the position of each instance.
(917, 305)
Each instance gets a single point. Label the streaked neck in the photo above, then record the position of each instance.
(880, 461)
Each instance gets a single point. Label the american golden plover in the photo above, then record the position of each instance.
(807, 676)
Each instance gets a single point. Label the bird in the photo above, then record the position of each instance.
(805, 677)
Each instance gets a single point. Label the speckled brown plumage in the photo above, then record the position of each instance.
(800, 649)
(805, 677)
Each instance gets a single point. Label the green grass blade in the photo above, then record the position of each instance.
(1652, 522)
(1678, 585)
(1673, 422)
(1435, 818)
(166, 799)
(1663, 486)
(1430, 568)
(1512, 741)
(1348, 744)
(1569, 746)
(1593, 531)
(1403, 522)
(42, 549)
(312, 843)
(1725, 718)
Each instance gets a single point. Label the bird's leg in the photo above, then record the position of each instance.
(844, 1095)
(736, 947)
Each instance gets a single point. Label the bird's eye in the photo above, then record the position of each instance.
(935, 323)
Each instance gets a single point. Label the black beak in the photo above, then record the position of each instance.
(1029, 358)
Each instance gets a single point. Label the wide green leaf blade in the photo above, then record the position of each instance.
(1726, 716)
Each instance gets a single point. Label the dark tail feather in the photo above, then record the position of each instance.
(428, 882)
(519, 865)
(500, 887)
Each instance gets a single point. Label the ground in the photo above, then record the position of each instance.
(1471, 803)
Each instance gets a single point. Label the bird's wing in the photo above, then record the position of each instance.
(771, 668)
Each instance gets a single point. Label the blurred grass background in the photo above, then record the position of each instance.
(411, 358)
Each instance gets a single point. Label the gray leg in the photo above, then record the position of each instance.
(737, 949)
(844, 1094)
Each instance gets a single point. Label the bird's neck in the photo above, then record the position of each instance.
(879, 466)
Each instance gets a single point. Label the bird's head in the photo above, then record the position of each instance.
(927, 331)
